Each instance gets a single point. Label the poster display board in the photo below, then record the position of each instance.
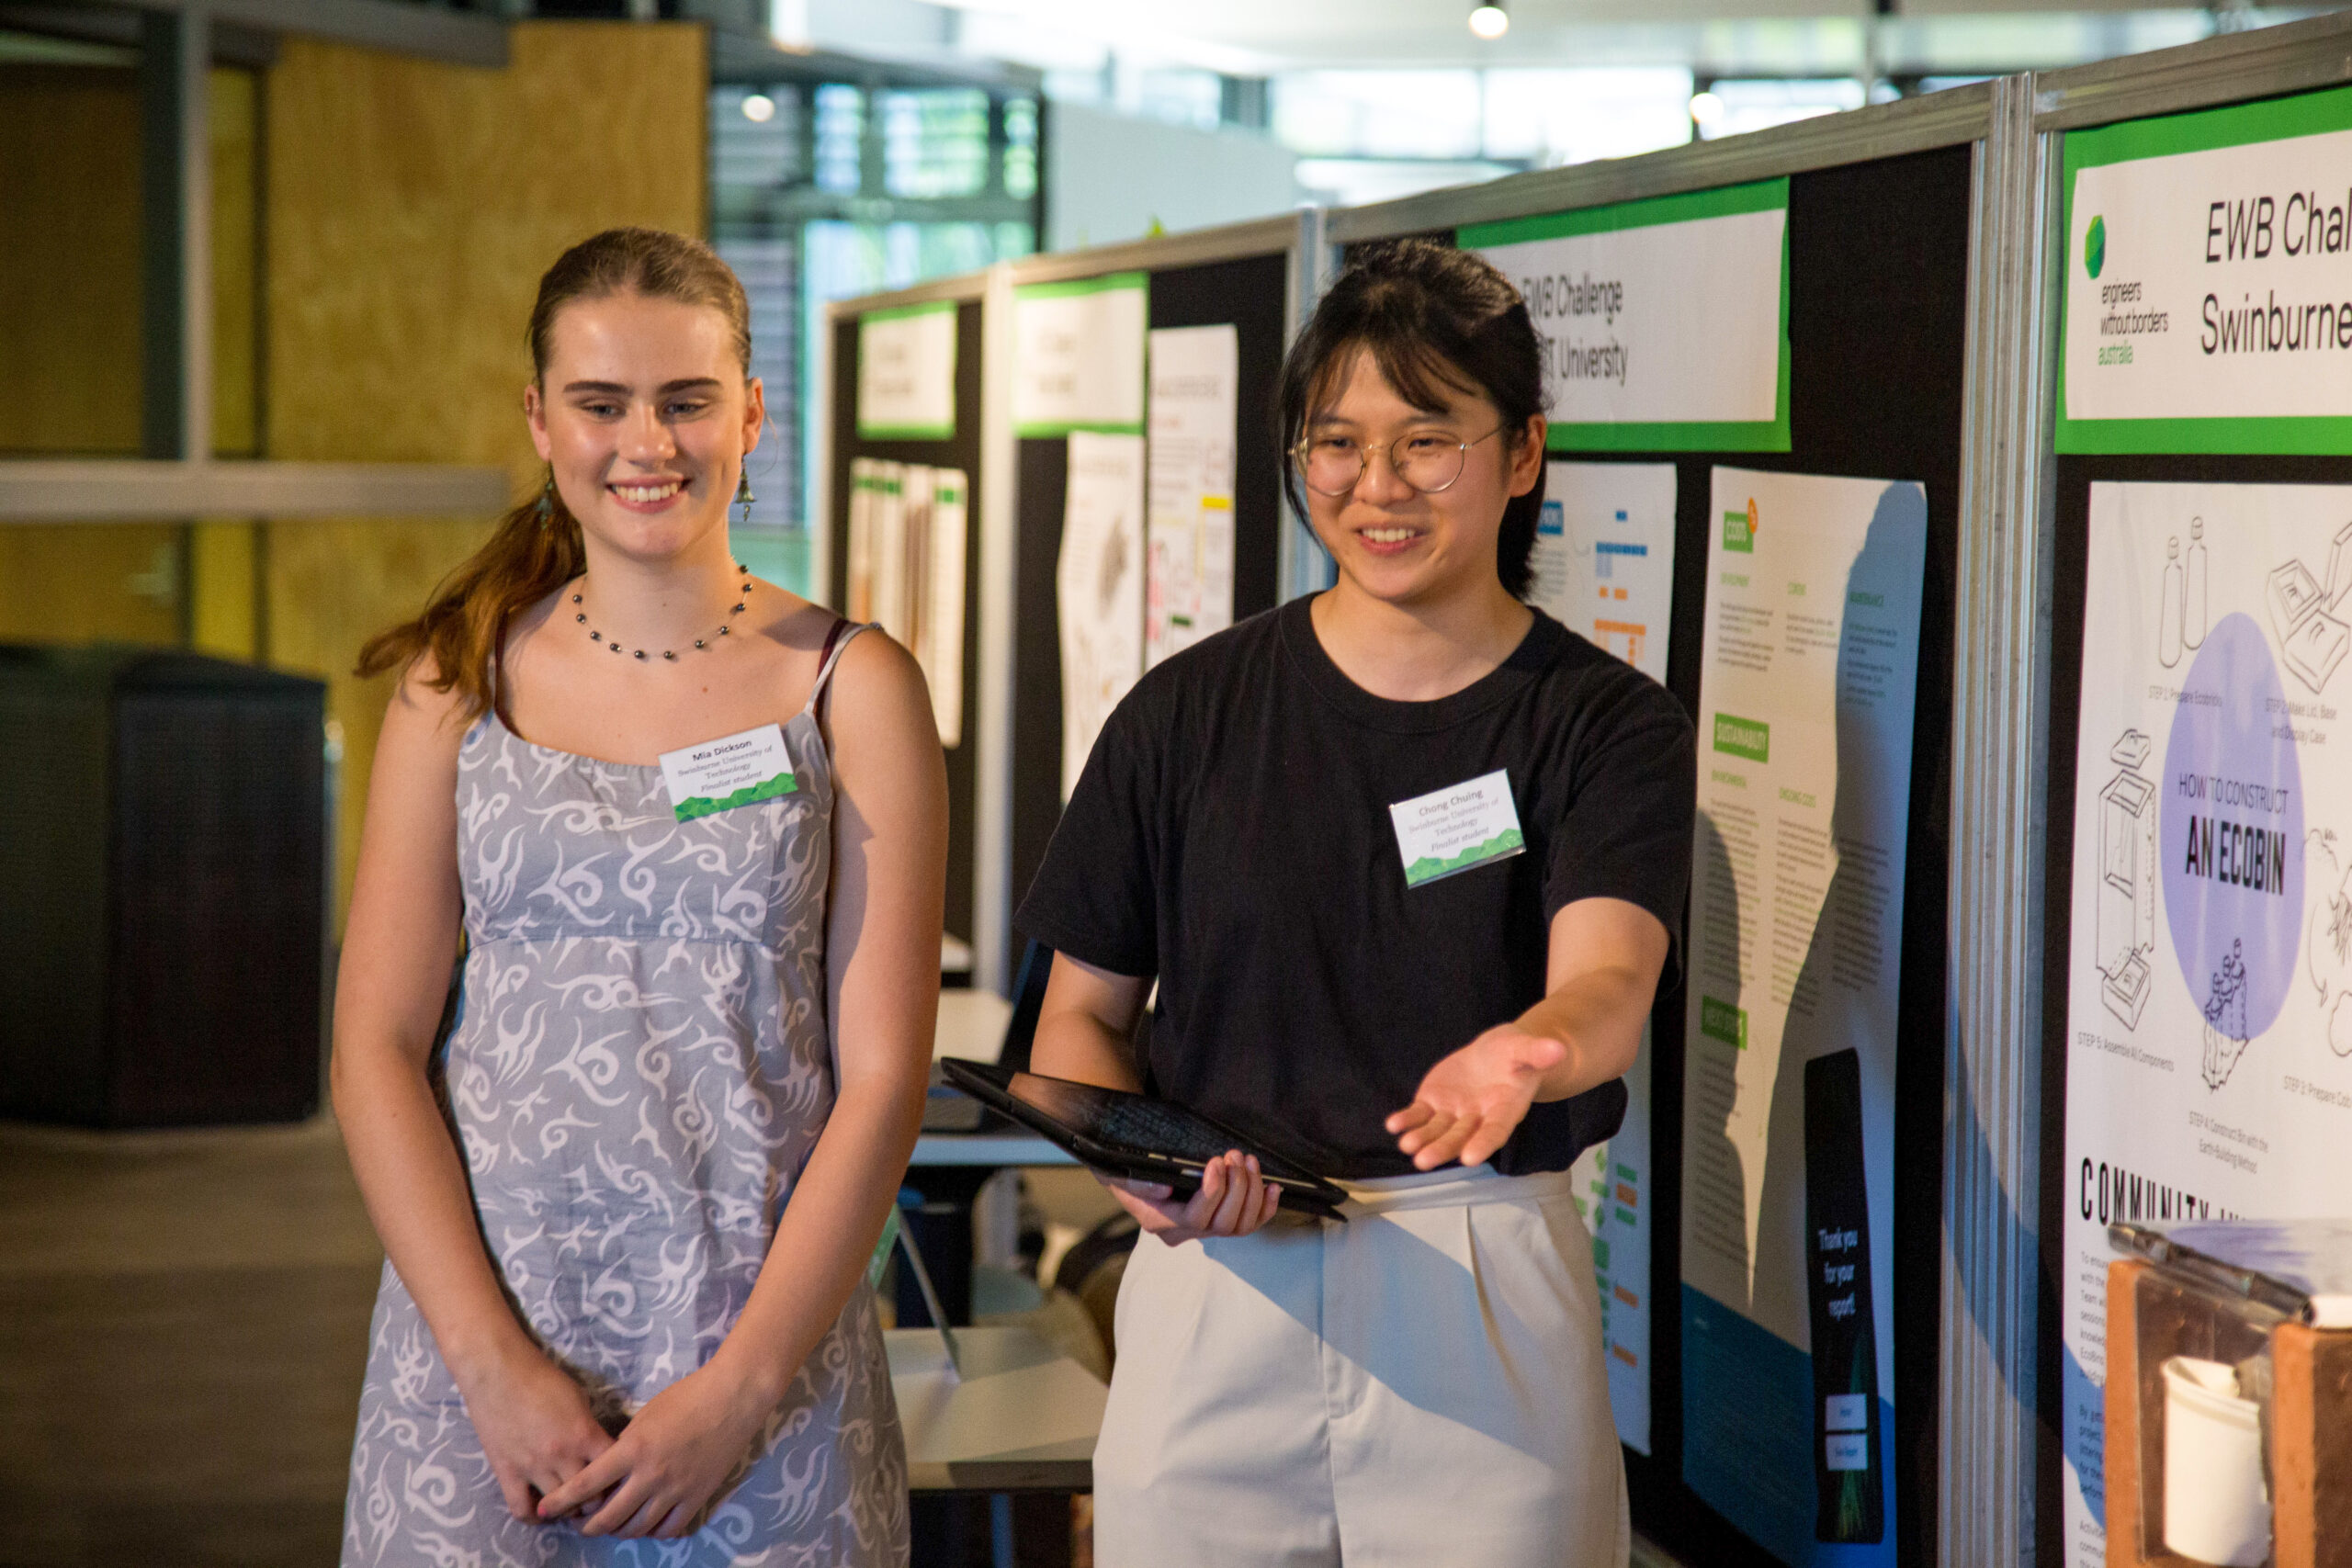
(1665, 321)
(1604, 566)
(1078, 355)
(2207, 303)
(906, 373)
(1099, 589)
(908, 525)
(1195, 394)
(1810, 653)
(2208, 995)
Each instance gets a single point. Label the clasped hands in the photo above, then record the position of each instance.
(554, 1461)
(1466, 1108)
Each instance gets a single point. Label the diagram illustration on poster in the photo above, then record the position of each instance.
(2210, 945)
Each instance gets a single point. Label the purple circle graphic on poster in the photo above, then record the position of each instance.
(2230, 841)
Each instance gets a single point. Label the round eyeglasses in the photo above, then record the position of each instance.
(1425, 460)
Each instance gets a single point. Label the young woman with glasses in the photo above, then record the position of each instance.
(1405, 859)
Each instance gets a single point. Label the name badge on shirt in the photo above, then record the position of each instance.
(734, 769)
(1454, 828)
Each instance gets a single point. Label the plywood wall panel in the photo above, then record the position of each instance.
(90, 582)
(69, 260)
(412, 207)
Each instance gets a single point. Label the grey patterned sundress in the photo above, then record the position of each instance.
(639, 1070)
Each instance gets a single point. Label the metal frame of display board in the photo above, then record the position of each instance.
(1986, 1349)
(2015, 342)
(1301, 568)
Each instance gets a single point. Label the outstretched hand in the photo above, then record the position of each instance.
(1234, 1199)
(1471, 1102)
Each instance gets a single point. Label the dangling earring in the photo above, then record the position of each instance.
(744, 497)
(546, 510)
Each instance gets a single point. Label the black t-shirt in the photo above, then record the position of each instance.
(1231, 834)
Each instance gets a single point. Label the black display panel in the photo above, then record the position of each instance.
(960, 451)
(1250, 293)
(2069, 588)
(1878, 270)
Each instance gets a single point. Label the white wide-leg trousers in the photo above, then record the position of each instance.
(1421, 1386)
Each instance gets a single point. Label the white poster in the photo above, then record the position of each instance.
(2208, 281)
(1611, 1182)
(1098, 588)
(1806, 690)
(1195, 391)
(889, 548)
(906, 373)
(1078, 355)
(1604, 557)
(2208, 1005)
(941, 650)
(864, 490)
(1604, 566)
(906, 564)
(1616, 292)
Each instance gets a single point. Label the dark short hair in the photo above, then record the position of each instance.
(1432, 318)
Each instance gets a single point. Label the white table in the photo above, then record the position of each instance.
(1021, 1417)
(971, 1026)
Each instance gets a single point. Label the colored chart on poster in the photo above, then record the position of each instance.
(1612, 1191)
(1604, 566)
(1807, 688)
(2208, 1002)
(1604, 557)
(1195, 391)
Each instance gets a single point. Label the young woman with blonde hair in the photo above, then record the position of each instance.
(628, 1192)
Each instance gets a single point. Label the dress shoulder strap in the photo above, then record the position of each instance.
(840, 637)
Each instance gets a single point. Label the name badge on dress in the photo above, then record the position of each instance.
(1454, 828)
(734, 769)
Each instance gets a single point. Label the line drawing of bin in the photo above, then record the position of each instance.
(2127, 886)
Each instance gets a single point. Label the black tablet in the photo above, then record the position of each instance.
(1133, 1135)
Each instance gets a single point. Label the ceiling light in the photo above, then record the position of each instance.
(759, 108)
(1706, 108)
(1489, 21)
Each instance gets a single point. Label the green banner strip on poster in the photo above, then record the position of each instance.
(2165, 136)
(906, 432)
(1103, 285)
(904, 312)
(1678, 435)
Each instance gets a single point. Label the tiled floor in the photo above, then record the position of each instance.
(183, 1323)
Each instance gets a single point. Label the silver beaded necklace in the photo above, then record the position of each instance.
(581, 617)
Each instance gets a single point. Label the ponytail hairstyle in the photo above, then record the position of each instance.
(1431, 316)
(537, 548)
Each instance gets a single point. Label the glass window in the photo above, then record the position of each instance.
(839, 126)
(934, 141)
(1733, 108)
(1379, 114)
(1020, 149)
(1549, 118)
